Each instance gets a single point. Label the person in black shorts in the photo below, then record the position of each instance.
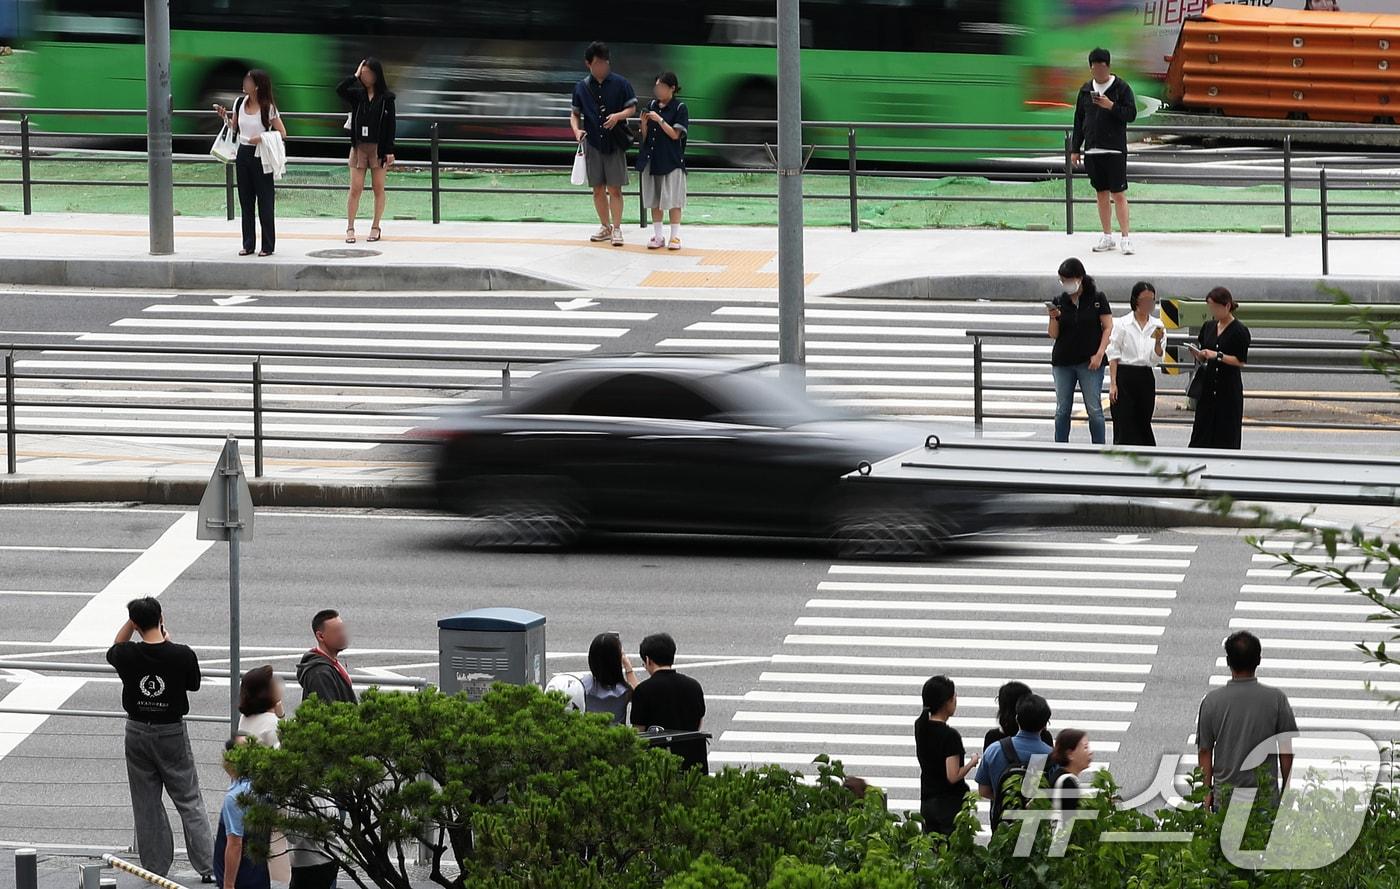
(1102, 112)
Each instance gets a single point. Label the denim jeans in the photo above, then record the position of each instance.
(1091, 386)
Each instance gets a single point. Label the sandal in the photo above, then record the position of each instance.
(374, 234)
(245, 253)
(350, 235)
(264, 252)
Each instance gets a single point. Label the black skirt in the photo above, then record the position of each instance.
(1137, 400)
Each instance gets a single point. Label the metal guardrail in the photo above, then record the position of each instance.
(832, 140)
(980, 387)
(258, 384)
(1329, 184)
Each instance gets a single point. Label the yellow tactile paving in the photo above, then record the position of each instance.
(738, 269)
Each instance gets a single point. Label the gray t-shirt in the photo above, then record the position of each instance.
(1236, 718)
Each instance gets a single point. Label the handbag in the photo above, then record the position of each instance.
(579, 175)
(225, 147)
(1202, 381)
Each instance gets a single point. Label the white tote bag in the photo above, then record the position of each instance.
(226, 145)
(579, 176)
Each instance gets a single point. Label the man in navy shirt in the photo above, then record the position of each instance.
(602, 104)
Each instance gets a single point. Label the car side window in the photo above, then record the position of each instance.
(643, 396)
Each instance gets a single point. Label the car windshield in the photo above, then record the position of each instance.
(761, 397)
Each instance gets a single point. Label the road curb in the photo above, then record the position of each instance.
(1023, 288)
(166, 491)
(249, 274)
(335, 494)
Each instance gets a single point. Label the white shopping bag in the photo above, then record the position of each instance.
(580, 174)
(226, 146)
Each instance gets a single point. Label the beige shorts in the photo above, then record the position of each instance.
(364, 157)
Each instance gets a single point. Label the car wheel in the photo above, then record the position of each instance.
(521, 512)
(755, 101)
(889, 533)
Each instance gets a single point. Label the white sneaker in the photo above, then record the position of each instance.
(1105, 244)
(602, 234)
(1127, 247)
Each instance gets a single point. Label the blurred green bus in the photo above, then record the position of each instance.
(947, 61)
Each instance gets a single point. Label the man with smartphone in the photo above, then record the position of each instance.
(1102, 112)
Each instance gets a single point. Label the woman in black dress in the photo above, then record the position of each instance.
(1222, 350)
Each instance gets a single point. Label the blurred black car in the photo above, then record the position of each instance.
(683, 444)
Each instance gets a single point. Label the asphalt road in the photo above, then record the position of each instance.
(895, 358)
(798, 655)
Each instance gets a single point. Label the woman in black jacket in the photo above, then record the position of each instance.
(371, 126)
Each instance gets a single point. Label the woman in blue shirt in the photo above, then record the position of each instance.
(661, 159)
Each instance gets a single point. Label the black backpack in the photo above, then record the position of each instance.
(1010, 794)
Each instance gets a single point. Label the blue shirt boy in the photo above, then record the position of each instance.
(994, 765)
(251, 874)
(594, 100)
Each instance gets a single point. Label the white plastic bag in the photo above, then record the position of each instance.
(579, 176)
(226, 146)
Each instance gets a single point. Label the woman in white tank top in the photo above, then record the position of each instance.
(254, 114)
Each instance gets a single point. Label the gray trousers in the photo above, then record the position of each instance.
(159, 758)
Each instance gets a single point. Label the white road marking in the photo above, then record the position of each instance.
(1024, 665)
(971, 642)
(984, 607)
(461, 330)
(395, 312)
(917, 681)
(318, 342)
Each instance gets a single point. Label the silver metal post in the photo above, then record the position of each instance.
(26, 869)
(26, 179)
(90, 876)
(231, 480)
(257, 418)
(11, 435)
(977, 407)
(1288, 186)
(792, 349)
(159, 160)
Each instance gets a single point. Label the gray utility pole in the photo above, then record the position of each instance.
(158, 110)
(226, 513)
(792, 344)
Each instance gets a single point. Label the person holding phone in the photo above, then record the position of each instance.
(1134, 352)
(372, 128)
(1080, 324)
(661, 159)
(599, 109)
(608, 684)
(1221, 352)
(1104, 108)
(253, 116)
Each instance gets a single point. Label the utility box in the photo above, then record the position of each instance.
(477, 649)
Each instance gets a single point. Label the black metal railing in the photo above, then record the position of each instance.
(831, 141)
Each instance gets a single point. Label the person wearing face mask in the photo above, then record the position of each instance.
(1134, 350)
(1081, 323)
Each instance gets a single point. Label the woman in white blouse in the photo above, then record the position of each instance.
(1134, 351)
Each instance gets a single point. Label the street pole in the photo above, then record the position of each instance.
(234, 580)
(159, 162)
(792, 348)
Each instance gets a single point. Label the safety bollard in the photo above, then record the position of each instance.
(26, 869)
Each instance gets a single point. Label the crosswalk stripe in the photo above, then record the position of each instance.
(914, 681)
(1285, 573)
(1314, 626)
(914, 702)
(396, 312)
(1021, 628)
(1023, 665)
(245, 397)
(816, 330)
(273, 366)
(896, 317)
(331, 343)
(806, 759)
(1309, 682)
(1261, 589)
(962, 724)
(769, 347)
(902, 740)
(1066, 546)
(1042, 573)
(1019, 643)
(464, 330)
(1308, 608)
(1378, 635)
(1020, 590)
(985, 607)
(1097, 561)
(233, 426)
(1336, 666)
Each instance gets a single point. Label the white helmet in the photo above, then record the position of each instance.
(572, 688)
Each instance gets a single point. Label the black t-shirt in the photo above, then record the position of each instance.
(934, 742)
(997, 734)
(676, 703)
(1081, 331)
(156, 679)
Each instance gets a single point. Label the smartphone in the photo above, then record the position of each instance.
(1049, 304)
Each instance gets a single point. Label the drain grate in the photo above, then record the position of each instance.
(343, 253)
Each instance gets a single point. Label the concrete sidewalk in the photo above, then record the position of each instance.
(111, 251)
